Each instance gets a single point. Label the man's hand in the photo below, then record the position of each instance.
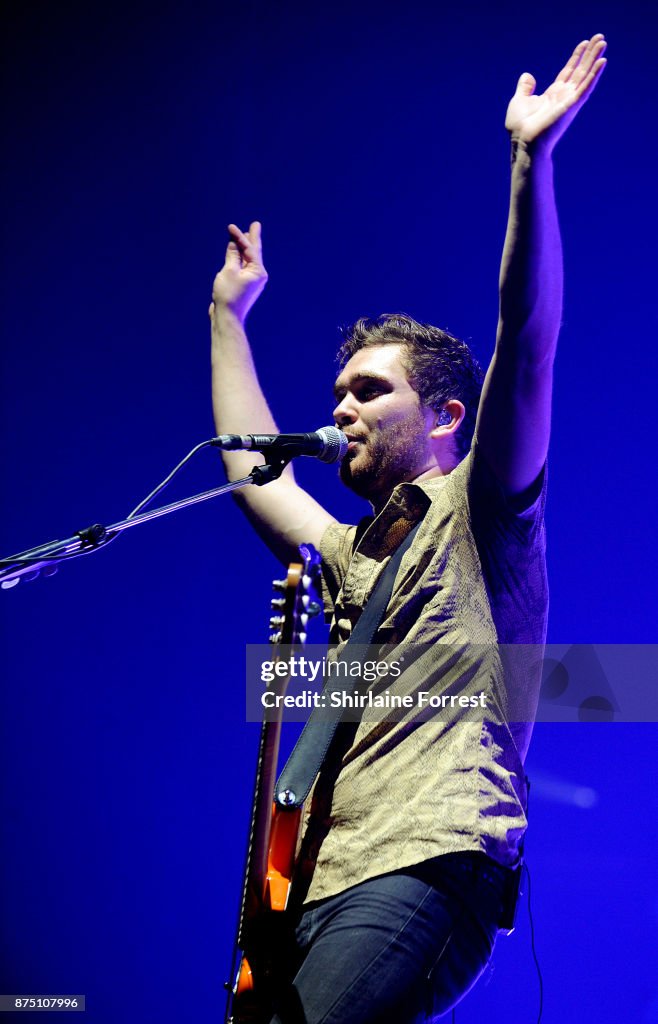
(243, 276)
(514, 416)
(545, 118)
(284, 514)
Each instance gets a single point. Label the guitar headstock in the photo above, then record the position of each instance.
(297, 600)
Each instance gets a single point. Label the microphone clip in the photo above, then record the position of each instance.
(272, 469)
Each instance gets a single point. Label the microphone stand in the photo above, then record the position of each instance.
(45, 558)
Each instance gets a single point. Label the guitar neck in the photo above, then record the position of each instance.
(271, 844)
(261, 823)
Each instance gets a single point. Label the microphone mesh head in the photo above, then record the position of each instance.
(335, 444)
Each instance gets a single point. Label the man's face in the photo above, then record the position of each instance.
(384, 421)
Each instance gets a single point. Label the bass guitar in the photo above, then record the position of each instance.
(273, 833)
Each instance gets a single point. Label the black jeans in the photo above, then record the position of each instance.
(401, 948)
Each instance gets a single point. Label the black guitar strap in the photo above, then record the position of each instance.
(309, 752)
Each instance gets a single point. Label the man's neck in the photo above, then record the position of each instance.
(432, 472)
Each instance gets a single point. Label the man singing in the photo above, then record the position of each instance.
(413, 835)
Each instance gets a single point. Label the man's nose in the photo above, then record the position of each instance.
(345, 413)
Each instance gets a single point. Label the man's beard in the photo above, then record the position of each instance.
(388, 457)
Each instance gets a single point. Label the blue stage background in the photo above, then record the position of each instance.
(369, 140)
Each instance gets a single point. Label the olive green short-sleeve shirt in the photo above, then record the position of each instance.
(410, 787)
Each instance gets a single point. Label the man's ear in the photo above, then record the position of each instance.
(448, 419)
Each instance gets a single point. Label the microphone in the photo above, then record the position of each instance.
(328, 444)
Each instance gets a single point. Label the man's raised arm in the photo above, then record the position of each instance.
(282, 513)
(515, 410)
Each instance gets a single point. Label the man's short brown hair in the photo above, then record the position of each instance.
(438, 365)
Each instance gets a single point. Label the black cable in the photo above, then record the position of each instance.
(108, 538)
(149, 498)
(534, 951)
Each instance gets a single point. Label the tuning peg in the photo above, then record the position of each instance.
(275, 638)
(300, 638)
(278, 602)
(306, 580)
(277, 620)
(279, 584)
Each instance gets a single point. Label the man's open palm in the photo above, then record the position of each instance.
(547, 116)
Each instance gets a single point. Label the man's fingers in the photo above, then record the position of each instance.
(592, 60)
(591, 65)
(595, 50)
(233, 258)
(526, 84)
(238, 250)
(573, 62)
(236, 234)
(248, 244)
(582, 59)
(255, 240)
(585, 87)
